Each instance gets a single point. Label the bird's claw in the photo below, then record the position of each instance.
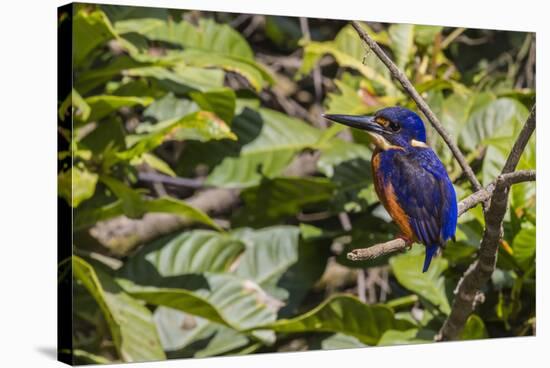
(408, 242)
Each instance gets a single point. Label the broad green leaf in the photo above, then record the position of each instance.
(500, 118)
(84, 357)
(84, 218)
(130, 323)
(81, 110)
(341, 341)
(424, 35)
(200, 125)
(209, 36)
(429, 285)
(180, 79)
(347, 315)
(348, 167)
(76, 185)
(134, 206)
(190, 252)
(166, 108)
(297, 281)
(253, 72)
(221, 102)
(89, 79)
(103, 105)
(276, 198)
(393, 337)
(183, 335)
(401, 36)
(154, 162)
(267, 141)
(118, 12)
(348, 51)
(347, 99)
(91, 29)
(524, 247)
(222, 298)
(269, 253)
(474, 329)
(208, 45)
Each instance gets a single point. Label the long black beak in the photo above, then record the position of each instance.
(362, 122)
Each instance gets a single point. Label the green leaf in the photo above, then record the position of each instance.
(84, 357)
(190, 252)
(429, 285)
(91, 29)
(200, 125)
(208, 45)
(267, 141)
(348, 50)
(134, 206)
(81, 110)
(348, 167)
(393, 337)
(154, 162)
(222, 298)
(341, 341)
(401, 36)
(347, 315)
(183, 335)
(269, 253)
(424, 35)
(208, 36)
(103, 105)
(76, 185)
(495, 124)
(524, 247)
(84, 218)
(130, 323)
(253, 72)
(474, 329)
(166, 108)
(221, 102)
(276, 198)
(180, 79)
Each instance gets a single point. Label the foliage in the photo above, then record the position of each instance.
(205, 97)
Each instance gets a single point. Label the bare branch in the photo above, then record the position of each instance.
(398, 244)
(122, 234)
(165, 179)
(422, 105)
(479, 272)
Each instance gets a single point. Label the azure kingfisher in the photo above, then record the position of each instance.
(409, 179)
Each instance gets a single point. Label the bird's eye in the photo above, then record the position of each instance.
(394, 126)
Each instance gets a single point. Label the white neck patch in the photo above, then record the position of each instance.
(418, 144)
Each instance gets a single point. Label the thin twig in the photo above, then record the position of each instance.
(165, 179)
(422, 105)
(398, 244)
(468, 290)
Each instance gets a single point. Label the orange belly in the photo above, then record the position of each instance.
(389, 200)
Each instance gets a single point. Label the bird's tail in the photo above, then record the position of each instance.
(430, 251)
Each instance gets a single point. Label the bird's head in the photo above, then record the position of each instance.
(390, 127)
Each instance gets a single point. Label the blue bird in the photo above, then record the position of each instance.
(409, 179)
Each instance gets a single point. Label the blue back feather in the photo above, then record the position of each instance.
(421, 185)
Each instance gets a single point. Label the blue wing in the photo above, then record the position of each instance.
(425, 193)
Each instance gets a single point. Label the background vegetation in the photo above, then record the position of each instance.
(214, 206)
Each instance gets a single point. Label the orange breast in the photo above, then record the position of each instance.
(389, 200)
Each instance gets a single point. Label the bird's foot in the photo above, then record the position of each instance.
(408, 242)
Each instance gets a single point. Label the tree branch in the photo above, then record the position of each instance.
(121, 234)
(398, 244)
(422, 105)
(468, 288)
